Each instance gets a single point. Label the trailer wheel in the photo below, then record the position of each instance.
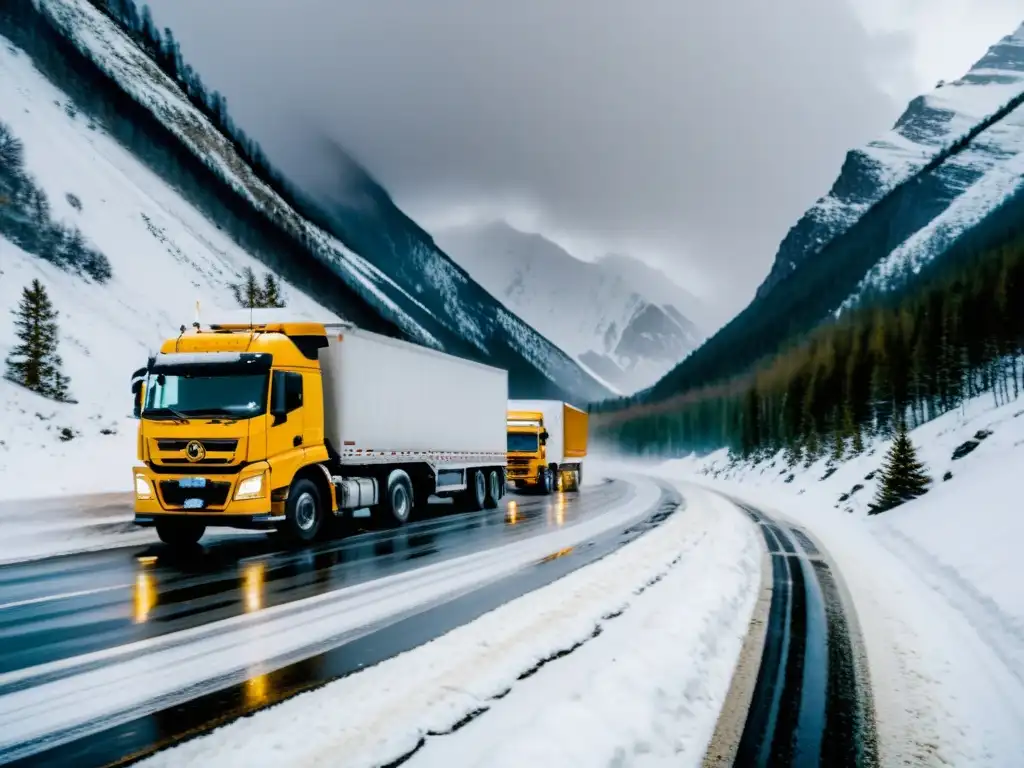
(475, 498)
(303, 511)
(493, 488)
(180, 533)
(398, 502)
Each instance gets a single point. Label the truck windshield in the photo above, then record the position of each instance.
(522, 442)
(239, 396)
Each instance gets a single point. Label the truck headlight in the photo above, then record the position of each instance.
(250, 488)
(142, 489)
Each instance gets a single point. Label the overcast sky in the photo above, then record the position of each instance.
(692, 133)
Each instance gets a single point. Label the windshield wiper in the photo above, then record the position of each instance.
(219, 413)
(178, 416)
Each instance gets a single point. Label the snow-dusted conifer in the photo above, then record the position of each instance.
(34, 362)
(903, 475)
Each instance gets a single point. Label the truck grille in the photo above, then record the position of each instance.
(516, 461)
(203, 461)
(214, 446)
(215, 494)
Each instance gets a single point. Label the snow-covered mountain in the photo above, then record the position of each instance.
(658, 288)
(946, 182)
(623, 320)
(363, 260)
(164, 256)
(949, 160)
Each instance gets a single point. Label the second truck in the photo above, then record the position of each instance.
(290, 425)
(547, 442)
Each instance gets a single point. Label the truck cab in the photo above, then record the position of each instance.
(546, 442)
(227, 420)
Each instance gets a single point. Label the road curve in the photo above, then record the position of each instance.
(811, 702)
(168, 647)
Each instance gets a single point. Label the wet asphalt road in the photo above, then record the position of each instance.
(65, 606)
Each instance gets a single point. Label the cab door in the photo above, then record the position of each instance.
(285, 448)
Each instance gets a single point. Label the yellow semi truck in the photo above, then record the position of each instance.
(288, 425)
(547, 442)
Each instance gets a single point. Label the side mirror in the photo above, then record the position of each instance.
(544, 436)
(278, 405)
(138, 391)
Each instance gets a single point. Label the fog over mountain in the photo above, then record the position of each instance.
(689, 134)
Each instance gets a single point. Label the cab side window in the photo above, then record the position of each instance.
(292, 391)
(286, 390)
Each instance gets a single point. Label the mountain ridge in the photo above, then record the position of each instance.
(591, 310)
(360, 284)
(933, 128)
(970, 138)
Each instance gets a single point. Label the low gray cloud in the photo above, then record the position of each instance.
(694, 133)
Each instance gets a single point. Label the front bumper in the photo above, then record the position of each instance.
(253, 522)
(215, 503)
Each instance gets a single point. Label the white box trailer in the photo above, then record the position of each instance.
(390, 404)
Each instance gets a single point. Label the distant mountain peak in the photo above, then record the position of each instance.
(622, 319)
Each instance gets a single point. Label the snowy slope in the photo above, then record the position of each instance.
(395, 269)
(930, 126)
(165, 257)
(936, 581)
(618, 327)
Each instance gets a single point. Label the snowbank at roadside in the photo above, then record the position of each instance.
(656, 629)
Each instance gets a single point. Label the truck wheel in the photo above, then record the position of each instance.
(493, 488)
(303, 511)
(398, 502)
(547, 481)
(180, 533)
(475, 498)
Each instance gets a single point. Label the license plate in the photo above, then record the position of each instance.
(192, 482)
(193, 504)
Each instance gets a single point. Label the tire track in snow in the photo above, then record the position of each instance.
(811, 702)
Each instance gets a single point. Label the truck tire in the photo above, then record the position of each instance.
(398, 504)
(547, 481)
(303, 511)
(493, 488)
(180, 533)
(475, 498)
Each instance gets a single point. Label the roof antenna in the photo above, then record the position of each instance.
(195, 323)
(252, 328)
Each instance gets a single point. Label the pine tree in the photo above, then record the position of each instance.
(248, 293)
(271, 291)
(34, 362)
(903, 476)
